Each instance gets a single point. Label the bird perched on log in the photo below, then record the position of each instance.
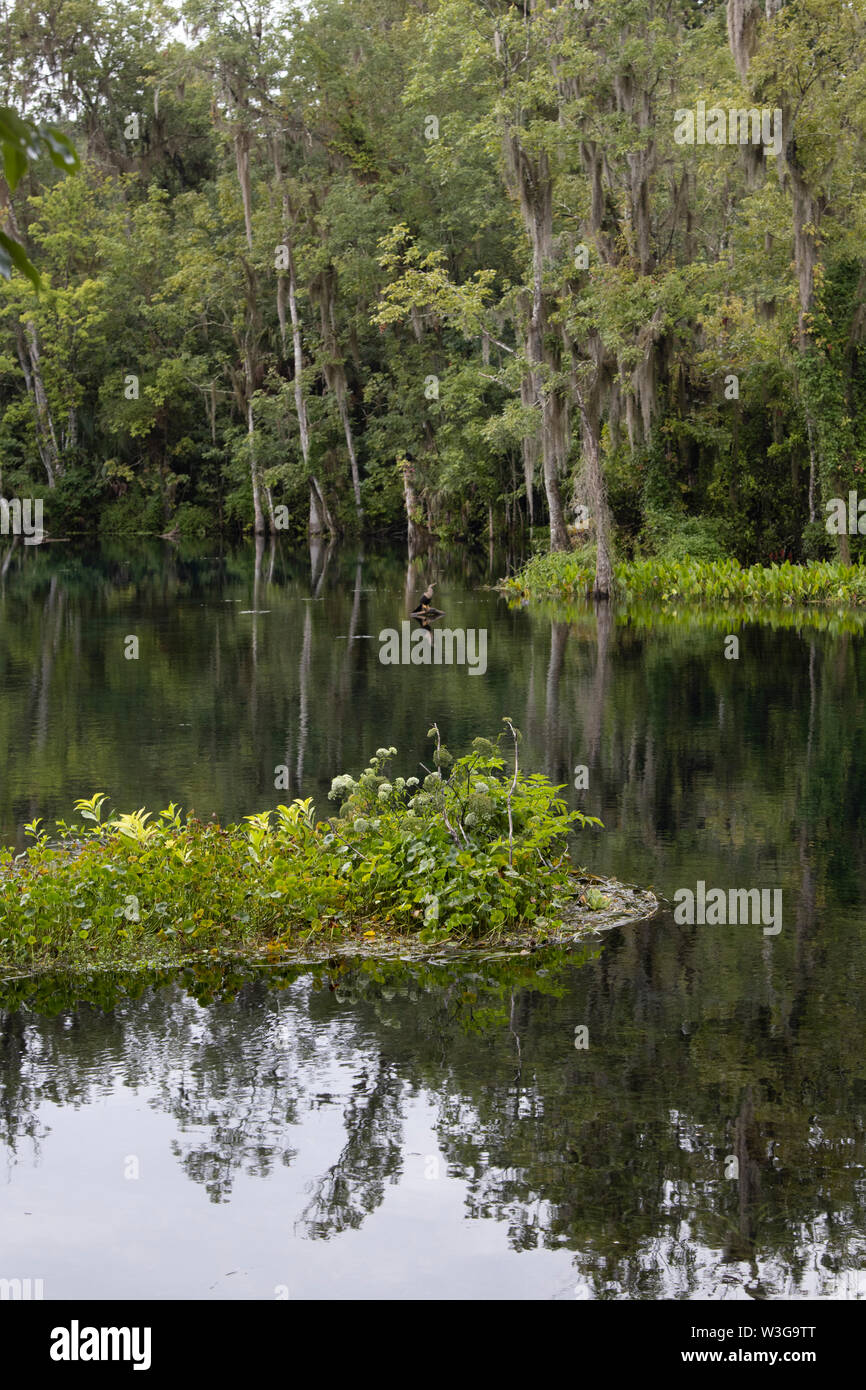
(423, 607)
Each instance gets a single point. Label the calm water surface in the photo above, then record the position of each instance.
(427, 1131)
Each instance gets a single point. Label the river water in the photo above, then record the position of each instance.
(430, 1130)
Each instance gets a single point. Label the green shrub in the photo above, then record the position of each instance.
(193, 522)
(676, 537)
(817, 544)
(131, 515)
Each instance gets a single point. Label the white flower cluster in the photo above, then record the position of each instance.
(342, 786)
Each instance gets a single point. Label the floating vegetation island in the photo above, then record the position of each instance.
(473, 853)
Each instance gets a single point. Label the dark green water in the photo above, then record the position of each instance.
(430, 1131)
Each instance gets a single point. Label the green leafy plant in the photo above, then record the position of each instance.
(476, 846)
(475, 849)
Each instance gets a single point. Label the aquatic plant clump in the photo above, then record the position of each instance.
(475, 849)
(701, 581)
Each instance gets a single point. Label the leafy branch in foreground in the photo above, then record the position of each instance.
(476, 849)
(20, 142)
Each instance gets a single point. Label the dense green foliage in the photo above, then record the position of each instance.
(308, 245)
(672, 581)
(475, 850)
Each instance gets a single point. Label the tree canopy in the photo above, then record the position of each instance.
(340, 265)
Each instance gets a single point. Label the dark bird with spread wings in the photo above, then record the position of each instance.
(423, 609)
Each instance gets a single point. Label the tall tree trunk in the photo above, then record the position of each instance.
(258, 514)
(594, 475)
(282, 283)
(806, 213)
(530, 179)
(350, 445)
(595, 480)
(242, 160)
(282, 290)
(212, 405)
(530, 448)
(28, 356)
(417, 534)
(554, 448)
(813, 469)
(335, 374)
(41, 397)
(46, 438)
(320, 515)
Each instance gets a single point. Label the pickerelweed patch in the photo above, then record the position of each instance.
(571, 575)
(476, 849)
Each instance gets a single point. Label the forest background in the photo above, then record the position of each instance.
(332, 267)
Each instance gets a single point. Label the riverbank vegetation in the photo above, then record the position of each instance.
(687, 580)
(473, 850)
(370, 263)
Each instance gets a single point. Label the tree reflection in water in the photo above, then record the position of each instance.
(617, 1153)
(706, 1045)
